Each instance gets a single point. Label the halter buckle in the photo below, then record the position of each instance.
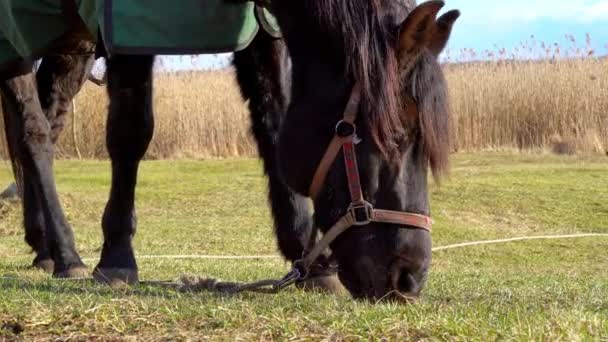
(345, 129)
(362, 213)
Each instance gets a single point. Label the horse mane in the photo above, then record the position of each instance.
(368, 43)
(368, 38)
(428, 87)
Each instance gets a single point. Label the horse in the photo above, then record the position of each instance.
(365, 74)
(35, 106)
(380, 52)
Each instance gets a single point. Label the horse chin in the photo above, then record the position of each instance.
(323, 283)
(353, 286)
(361, 278)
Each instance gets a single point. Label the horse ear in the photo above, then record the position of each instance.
(443, 29)
(417, 29)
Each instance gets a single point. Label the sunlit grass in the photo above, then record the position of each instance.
(536, 290)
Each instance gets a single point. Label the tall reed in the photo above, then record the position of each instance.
(545, 102)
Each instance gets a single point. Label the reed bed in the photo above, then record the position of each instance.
(546, 102)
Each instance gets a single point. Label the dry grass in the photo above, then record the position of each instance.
(197, 115)
(558, 105)
(548, 104)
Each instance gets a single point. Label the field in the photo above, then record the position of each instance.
(537, 290)
(553, 104)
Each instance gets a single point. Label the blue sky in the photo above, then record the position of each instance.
(487, 24)
(492, 24)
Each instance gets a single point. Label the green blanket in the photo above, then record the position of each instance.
(28, 28)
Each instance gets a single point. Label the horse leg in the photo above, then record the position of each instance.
(33, 217)
(59, 78)
(30, 134)
(263, 73)
(129, 130)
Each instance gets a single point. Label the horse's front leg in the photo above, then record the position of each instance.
(264, 77)
(30, 141)
(130, 127)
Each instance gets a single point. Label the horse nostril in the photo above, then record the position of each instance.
(404, 282)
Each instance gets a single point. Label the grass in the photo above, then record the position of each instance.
(536, 290)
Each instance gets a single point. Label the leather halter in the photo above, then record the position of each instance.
(360, 212)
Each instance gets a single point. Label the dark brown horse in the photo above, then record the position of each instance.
(295, 104)
(403, 123)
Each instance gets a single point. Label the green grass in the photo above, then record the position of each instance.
(535, 290)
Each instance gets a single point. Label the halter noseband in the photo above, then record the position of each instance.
(360, 212)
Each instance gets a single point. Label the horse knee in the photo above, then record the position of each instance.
(36, 129)
(36, 133)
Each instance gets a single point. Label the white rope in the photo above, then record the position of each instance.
(436, 249)
(523, 238)
(200, 256)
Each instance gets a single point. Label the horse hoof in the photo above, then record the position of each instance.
(47, 265)
(77, 272)
(323, 283)
(116, 277)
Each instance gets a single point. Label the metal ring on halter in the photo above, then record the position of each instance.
(345, 129)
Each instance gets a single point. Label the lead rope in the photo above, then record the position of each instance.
(298, 272)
